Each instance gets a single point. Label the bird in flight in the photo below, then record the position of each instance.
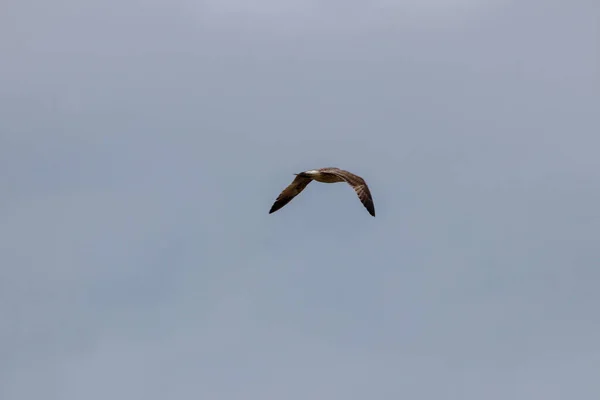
(325, 175)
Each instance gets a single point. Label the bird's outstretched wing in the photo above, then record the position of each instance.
(358, 184)
(291, 191)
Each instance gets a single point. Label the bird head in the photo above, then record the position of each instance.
(308, 174)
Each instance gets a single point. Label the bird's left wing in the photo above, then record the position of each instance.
(291, 191)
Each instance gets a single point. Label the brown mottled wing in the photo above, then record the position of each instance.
(293, 189)
(359, 185)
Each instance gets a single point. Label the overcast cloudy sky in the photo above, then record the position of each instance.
(143, 143)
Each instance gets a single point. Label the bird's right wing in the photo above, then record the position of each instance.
(359, 185)
(293, 189)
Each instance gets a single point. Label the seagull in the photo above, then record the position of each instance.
(325, 175)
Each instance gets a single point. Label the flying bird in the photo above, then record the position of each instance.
(325, 175)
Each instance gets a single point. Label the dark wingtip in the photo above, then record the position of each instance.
(371, 210)
(274, 208)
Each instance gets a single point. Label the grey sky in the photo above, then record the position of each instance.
(142, 147)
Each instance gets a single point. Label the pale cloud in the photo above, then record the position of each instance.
(317, 15)
(141, 150)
